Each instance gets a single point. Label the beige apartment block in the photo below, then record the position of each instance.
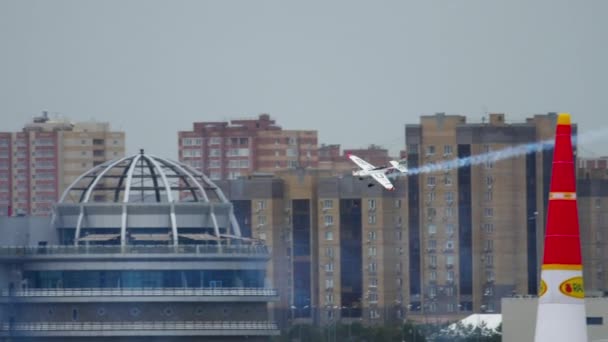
(479, 226)
(39, 162)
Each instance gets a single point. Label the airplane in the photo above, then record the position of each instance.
(377, 173)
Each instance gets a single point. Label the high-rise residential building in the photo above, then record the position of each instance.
(475, 233)
(39, 162)
(228, 150)
(339, 247)
(592, 196)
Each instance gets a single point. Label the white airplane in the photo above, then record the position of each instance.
(377, 173)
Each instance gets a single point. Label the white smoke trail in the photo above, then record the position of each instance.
(509, 152)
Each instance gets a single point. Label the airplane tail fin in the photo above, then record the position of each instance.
(399, 166)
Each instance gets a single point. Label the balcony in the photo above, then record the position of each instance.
(226, 294)
(165, 328)
(133, 252)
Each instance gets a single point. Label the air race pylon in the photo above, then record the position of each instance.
(561, 303)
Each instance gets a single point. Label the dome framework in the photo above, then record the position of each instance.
(144, 198)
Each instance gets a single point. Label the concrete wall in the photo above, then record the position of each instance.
(26, 231)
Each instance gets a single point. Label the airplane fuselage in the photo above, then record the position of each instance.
(368, 173)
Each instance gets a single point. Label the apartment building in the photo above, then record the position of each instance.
(339, 247)
(39, 162)
(475, 233)
(228, 150)
(592, 197)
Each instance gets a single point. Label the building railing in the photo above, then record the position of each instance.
(130, 326)
(249, 250)
(110, 292)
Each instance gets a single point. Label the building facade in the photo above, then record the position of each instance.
(339, 246)
(475, 232)
(140, 248)
(39, 162)
(228, 150)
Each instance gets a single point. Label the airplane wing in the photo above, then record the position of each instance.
(383, 180)
(361, 163)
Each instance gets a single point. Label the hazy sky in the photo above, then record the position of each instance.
(356, 71)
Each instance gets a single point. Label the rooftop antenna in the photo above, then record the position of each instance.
(484, 109)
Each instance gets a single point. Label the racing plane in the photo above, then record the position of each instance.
(378, 173)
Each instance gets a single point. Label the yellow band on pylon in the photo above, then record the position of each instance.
(562, 195)
(562, 267)
(563, 119)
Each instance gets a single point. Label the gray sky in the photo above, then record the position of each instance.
(356, 71)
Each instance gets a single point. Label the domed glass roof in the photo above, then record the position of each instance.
(142, 178)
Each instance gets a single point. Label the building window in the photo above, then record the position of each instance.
(290, 152)
(488, 227)
(447, 181)
(487, 196)
(432, 244)
(329, 267)
(261, 220)
(373, 282)
(489, 275)
(449, 212)
(329, 298)
(371, 251)
(489, 245)
(371, 235)
(329, 283)
(398, 221)
(449, 196)
(433, 275)
(489, 180)
(372, 267)
(329, 235)
(433, 260)
(447, 150)
(489, 260)
(215, 141)
(328, 204)
(489, 164)
(430, 180)
(488, 212)
(398, 235)
(371, 204)
(450, 307)
(371, 219)
(431, 212)
(397, 203)
(595, 320)
(329, 220)
(430, 150)
(449, 229)
(449, 291)
(450, 276)
(486, 148)
(373, 297)
(292, 164)
(261, 205)
(412, 148)
(449, 260)
(329, 251)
